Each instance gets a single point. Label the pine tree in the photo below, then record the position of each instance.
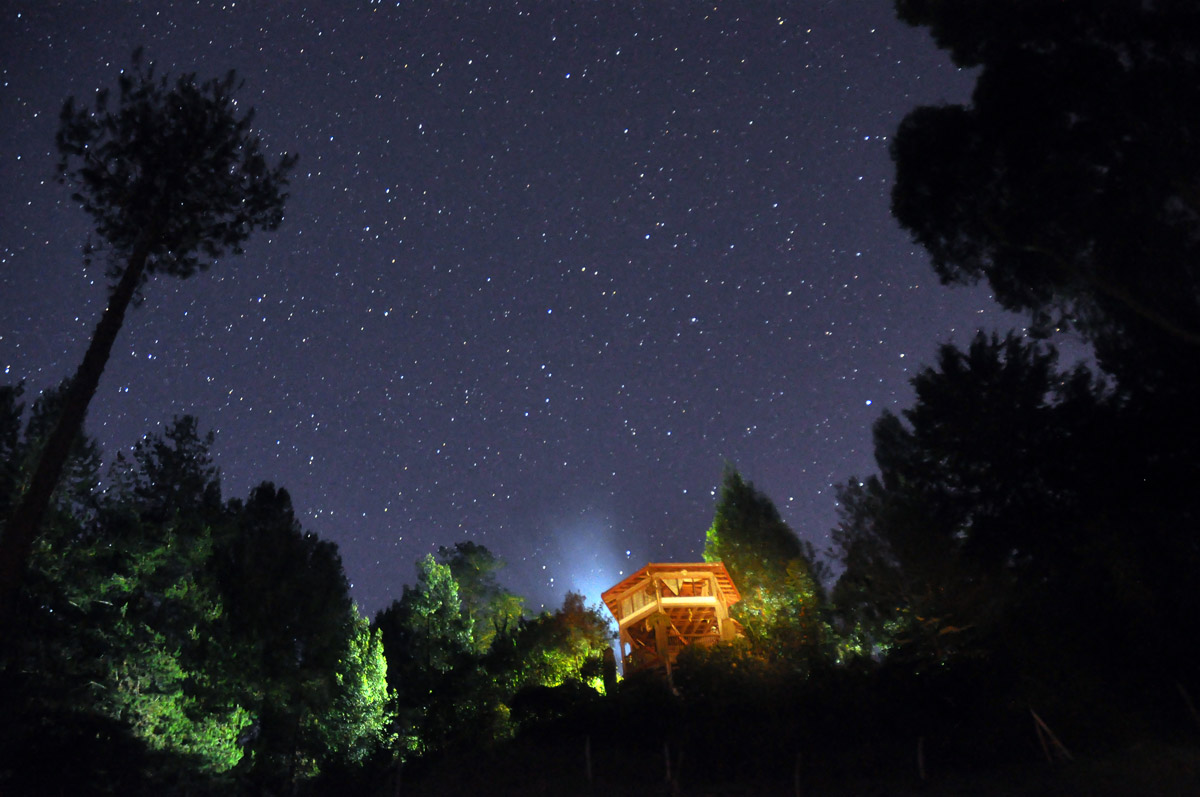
(173, 178)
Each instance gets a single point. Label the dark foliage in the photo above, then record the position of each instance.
(174, 170)
(173, 178)
(1070, 181)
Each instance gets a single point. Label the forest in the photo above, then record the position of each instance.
(1007, 606)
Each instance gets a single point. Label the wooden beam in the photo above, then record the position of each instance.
(669, 603)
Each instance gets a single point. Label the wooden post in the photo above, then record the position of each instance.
(587, 758)
(609, 669)
(1187, 701)
(1044, 733)
(672, 772)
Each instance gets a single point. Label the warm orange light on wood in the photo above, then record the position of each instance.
(664, 607)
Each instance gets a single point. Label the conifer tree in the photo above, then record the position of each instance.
(173, 178)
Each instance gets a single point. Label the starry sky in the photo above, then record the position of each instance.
(546, 266)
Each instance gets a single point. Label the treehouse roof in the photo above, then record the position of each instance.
(729, 591)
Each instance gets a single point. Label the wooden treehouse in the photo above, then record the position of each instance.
(662, 608)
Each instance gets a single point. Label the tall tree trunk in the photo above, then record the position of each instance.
(22, 528)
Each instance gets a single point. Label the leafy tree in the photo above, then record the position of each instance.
(174, 179)
(548, 666)
(289, 626)
(450, 693)
(783, 602)
(427, 639)
(1070, 181)
(491, 608)
(429, 622)
(999, 491)
(555, 647)
(358, 723)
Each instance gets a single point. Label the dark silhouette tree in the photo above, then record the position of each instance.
(982, 486)
(173, 178)
(1071, 182)
(171, 474)
(1008, 524)
(291, 628)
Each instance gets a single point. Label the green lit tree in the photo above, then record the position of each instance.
(555, 647)
(157, 519)
(215, 641)
(118, 611)
(360, 720)
(288, 627)
(427, 639)
(174, 179)
(490, 606)
(783, 602)
(549, 665)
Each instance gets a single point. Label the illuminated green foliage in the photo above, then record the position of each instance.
(174, 178)
(450, 693)
(430, 654)
(220, 637)
(149, 689)
(359, 722)
(491, 608)
(126, 609)
(783, 603)
(553, 648)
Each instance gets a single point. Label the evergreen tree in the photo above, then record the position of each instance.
(427, 639)
(783, 601)
(491, 608)
(174, 179)
(1068, 182)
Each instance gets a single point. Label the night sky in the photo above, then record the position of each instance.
(546, 266)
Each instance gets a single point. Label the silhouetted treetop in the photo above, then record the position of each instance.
(173, 178)
(173, 168)
(1071, 183)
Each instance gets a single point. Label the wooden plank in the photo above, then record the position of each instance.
(666, 603)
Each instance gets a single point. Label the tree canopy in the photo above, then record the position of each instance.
(783, 601)
(1069, 181)
(208, 637)
(173, 177)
